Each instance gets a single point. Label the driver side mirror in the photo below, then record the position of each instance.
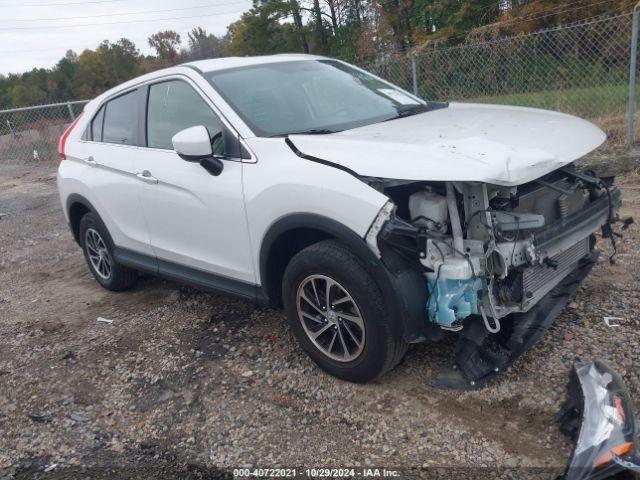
(193, 144)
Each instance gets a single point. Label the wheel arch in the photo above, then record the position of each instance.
(285, 238)
(404, 290)
(77, 206)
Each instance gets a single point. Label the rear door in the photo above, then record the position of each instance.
(195, 220)
(110, 147)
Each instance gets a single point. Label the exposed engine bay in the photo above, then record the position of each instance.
(488, 251)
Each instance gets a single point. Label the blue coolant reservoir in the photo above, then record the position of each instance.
(452, 299)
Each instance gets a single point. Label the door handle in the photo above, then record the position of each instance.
(146, 177)
(90, 161)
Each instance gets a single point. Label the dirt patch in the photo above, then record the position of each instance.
(185, 384)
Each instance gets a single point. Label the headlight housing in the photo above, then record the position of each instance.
(383, 217)
(598, 416)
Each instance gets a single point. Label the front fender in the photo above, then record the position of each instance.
(404, 289)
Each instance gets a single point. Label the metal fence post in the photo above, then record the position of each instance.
(71, 114)
(632, 75)
(414, 73)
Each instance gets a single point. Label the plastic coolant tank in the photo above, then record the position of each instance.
(428, 209)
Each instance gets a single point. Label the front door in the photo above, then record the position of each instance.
(195, 220)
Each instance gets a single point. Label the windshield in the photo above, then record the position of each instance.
(309, 96)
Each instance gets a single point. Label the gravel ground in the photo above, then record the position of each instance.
(186, 384)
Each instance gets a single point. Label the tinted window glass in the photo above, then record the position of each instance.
(121, 120)
(174, 106)
(96, 126)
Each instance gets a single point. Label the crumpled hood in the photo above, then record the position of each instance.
(465, 142)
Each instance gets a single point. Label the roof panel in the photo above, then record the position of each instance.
(231, 62)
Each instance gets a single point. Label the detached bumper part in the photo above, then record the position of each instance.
(480, 356)
(598, 416)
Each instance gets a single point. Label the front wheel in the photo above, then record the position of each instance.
(338, 315)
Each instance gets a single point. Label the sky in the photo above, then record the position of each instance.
(37, 33)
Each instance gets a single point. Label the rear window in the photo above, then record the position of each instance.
(121, 120)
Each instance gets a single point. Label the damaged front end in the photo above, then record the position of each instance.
(499, 263)
(598, 417)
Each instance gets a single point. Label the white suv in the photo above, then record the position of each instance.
(376, 218)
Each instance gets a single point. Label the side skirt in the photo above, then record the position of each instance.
(189, 275)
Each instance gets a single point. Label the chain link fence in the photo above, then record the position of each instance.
(581, 69)
(31, 134)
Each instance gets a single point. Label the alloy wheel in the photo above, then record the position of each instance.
(330, 318)
(98, 253)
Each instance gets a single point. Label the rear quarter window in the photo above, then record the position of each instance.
(95, 131)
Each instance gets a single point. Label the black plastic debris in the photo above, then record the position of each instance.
(69, 356)
(41, 418)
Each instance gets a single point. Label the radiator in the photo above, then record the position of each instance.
(539, 279)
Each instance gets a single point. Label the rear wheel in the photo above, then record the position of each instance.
(337, 313)
(98, 252)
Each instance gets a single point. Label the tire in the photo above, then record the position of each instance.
(306, 275)
(97, 244)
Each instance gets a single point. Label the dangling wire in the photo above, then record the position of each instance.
(608, 231)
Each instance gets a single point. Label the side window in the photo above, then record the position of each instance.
(121, 120)
(96, 126)
(174, 106)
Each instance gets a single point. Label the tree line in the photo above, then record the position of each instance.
(354, 30)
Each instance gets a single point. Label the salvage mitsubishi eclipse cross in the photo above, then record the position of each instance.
(376, 218)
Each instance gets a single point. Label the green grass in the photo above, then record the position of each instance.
(590, 102)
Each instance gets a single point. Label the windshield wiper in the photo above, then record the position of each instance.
(406, 113)
(315, 131)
